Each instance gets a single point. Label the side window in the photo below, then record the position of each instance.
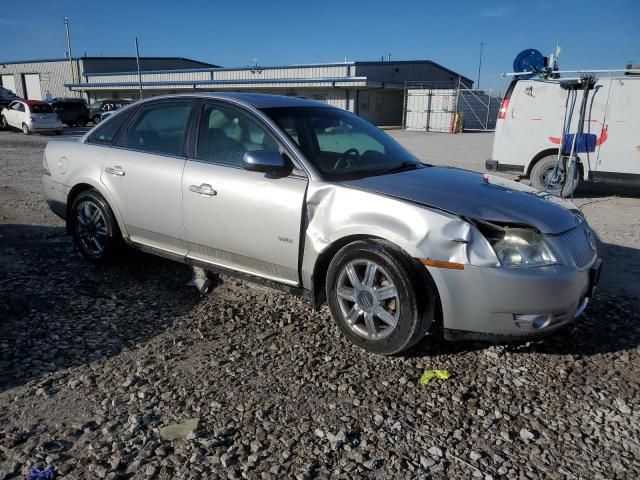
(225, 134)
(160, 128)
(106, 132)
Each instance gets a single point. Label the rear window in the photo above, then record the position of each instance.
(40, 108)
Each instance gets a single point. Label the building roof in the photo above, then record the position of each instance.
(99, 65)
(411, 62)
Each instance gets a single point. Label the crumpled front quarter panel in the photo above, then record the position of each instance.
(335, 212)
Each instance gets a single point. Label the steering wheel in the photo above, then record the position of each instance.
(347, 158)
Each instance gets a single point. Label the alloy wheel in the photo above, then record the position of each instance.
(368, 299)
(91, 228)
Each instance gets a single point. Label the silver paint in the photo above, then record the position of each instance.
(422, 212)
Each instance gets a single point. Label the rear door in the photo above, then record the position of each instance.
(143, 174)
(618, 140)
(246, 221)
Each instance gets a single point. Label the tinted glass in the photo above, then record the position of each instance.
(40, 108)
(107, 131)
(342, 145)
(160, 129)
(70, 105)
(225, 134)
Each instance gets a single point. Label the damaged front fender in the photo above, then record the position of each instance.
(335, 212)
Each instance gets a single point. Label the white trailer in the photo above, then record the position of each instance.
(530, 125)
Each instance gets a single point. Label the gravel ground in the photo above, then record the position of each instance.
(123, 372)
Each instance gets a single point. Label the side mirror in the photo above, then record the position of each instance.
(265, 161)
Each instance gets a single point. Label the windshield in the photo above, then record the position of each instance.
(40, 108)
(341, 145)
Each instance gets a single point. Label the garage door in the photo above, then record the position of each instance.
(9, 82)
(32, 85)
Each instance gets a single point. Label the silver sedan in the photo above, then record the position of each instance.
(314, 200)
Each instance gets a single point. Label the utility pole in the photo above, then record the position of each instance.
(138, 63)
(479, 66)
(69, 55)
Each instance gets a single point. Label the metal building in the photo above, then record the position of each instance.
(373, 90)
(33, 78)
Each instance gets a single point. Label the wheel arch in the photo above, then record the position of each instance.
(537, 157)
(85, 185)
(321, 267)
(584, 169)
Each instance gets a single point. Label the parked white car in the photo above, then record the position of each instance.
(530, 123)
(30, 116)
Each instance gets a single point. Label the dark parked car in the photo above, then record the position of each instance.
(72, 111)
(97, 108)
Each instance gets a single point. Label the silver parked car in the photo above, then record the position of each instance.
(314, 200)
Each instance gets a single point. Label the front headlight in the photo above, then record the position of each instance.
(520, 247)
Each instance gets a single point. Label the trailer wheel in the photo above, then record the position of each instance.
(547, 174)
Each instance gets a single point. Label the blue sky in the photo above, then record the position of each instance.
(593, 34)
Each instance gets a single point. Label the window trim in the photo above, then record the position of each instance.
(121, 141)
(298, 170)
(118, 134)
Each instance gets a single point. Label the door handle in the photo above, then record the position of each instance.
(203, 189)
(117, 171)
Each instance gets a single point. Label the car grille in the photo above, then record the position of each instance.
(578, 243)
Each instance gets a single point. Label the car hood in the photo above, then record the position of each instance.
(477, 196)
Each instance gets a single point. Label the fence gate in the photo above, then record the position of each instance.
(428, 108)
(479, 107)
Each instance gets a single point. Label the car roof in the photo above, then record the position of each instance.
(32, 102)
(256, 100)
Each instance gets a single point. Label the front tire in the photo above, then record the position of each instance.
(547, 174)
(3, 123)
(377, 298)
(25, 129)
(94, 227)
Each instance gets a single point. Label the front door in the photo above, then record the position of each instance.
(234, 218)
(15, 114)
(143, 175)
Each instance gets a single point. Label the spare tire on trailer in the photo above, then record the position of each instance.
(550, 175)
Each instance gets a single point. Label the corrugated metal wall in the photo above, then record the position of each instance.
(311, 72)
(53, 75)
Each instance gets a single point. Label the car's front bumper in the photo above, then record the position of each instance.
(55, 194)
(503, 303)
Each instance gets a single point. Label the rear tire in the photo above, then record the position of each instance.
(25, 129)
(558, 182)
(94, 227)
(96, 119)
(377, 298)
